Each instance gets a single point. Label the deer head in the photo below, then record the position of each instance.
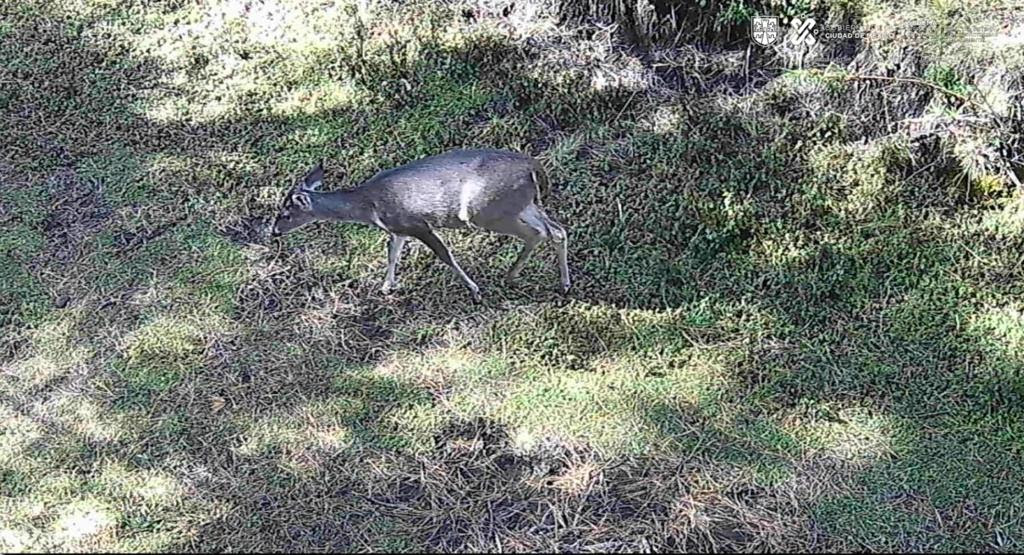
(298, 208)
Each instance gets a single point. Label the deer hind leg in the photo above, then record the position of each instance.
(530, 243)
(528, 229)
(561, 239)
(534, 227)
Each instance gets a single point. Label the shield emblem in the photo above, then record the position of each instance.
(765, 30)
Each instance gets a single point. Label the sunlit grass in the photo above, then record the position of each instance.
(19, 434)
(1001, 331)
(80, 521)
(56, 349)
(852, 434)
(603, 405)
(14, 541)
(149, 486)
(321, 426)
(163, 351)
(1006, 222)
(318, 98)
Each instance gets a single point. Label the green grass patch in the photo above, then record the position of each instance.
(162, 351)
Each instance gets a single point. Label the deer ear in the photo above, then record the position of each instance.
(302, 201)
(314, 178)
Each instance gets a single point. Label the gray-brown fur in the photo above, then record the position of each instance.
(495, 190)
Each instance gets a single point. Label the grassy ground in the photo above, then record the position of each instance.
(790, 329)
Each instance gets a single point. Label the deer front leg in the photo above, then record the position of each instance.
(441, 250)
(395, 244)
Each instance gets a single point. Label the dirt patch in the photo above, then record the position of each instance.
(370, 327)
(498, 107)
(244, 231)
(348, 318)
(548, 130)
(57, 151)
(264, 294)
(130, 240)
(78, 212)
(328, 535)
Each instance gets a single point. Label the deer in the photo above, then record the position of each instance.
(493, 190)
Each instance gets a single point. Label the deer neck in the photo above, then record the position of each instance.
(344, 206)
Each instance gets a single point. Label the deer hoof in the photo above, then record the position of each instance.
(565, 288)
(477, 298)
